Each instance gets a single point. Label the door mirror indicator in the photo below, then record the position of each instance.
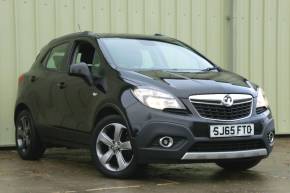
(81, 70)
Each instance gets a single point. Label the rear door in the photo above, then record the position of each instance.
(52, 85)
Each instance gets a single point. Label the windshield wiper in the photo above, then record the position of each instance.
(210, 69)
(180, 70)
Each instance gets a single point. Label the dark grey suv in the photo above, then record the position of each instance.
(134, 100)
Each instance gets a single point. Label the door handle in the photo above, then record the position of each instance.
(61, 85)
(33, 78)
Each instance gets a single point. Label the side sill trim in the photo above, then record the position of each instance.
(224, 155)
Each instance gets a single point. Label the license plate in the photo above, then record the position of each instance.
(231, 130)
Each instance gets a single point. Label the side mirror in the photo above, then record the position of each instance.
(81, 70)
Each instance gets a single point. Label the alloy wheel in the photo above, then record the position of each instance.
(23, 133)
(114, 148)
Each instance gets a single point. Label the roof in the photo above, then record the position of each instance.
(111, 35)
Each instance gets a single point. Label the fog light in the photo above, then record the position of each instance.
(271, 136)
(166, 142)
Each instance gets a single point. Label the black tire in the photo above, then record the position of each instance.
(238, 165)
(28, 143)
(131, 167)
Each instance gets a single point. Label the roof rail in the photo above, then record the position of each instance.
(158, 34)
(86, 32)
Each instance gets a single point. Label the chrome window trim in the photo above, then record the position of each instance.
(218, 97)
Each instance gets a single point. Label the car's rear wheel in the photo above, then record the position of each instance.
(238, 165)
(28, 144)
(112, 149)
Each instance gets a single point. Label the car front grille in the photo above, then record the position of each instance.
(218, 146)
(221, 112)
(213, 108)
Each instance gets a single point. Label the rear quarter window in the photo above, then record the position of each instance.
(56, 60)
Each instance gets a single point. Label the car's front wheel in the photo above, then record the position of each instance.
(240, 164)
(112, 149)
(28, 143)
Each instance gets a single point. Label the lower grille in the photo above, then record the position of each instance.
(218, 146)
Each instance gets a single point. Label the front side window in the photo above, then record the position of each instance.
(57, 60)
(96, 65)
(154, 55)
(86, 53)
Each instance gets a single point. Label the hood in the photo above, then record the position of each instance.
(185, 84)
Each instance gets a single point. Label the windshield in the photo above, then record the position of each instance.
(139, 54)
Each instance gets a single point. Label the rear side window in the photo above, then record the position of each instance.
(56, 60)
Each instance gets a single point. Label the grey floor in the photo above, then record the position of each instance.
(71, 171)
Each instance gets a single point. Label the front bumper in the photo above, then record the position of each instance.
(191, 137)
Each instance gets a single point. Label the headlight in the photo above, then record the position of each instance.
(157, 99)
(261, 99)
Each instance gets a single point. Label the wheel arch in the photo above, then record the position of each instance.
(110, 109)
(20, 107)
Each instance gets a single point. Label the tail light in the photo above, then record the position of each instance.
(21, 78)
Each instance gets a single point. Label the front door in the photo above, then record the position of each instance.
(80, 97)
